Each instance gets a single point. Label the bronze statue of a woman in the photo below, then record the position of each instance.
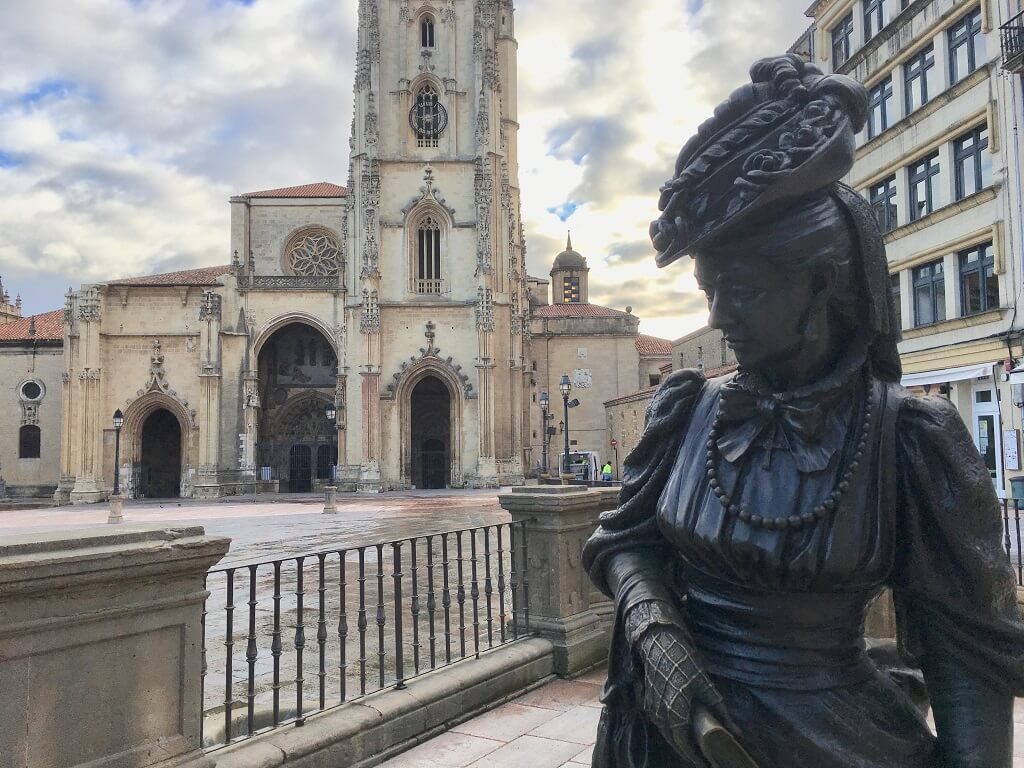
(762, 512)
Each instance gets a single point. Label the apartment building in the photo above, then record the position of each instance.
(940, 162)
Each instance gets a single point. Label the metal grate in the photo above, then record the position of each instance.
(1011, 536)
(424, 602)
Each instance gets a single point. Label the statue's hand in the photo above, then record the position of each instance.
(673, 683)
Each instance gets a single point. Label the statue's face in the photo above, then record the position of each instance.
(761, 310)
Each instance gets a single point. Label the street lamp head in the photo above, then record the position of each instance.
(564, 386)
(118, 419)
(545, 401)
(331, 412)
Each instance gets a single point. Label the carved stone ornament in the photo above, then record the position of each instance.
(89, 305)
(158, 383)
(209, 307)
(428, 192)
(69, 307)
(483, 125)
(429, 352)
(369, 320)
(370, 131)
(483, 187)
(371, 201)
(484, 309)
(29, 413)
(313, 252)
(362, 81)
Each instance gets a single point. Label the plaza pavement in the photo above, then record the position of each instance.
(553, 726)
(274, 526)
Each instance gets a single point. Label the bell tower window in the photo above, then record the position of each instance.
(428, 256)
(570, 290)
(427, 32)
(428, 118)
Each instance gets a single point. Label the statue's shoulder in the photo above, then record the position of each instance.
(676, 394)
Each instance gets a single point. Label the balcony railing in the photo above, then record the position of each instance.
(1011, 536)
(1011, 36)
(476, 598)
(429, 286)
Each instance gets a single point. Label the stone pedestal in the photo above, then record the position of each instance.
(563, 608)
(330, 499)
(101, 647)
(116, 509)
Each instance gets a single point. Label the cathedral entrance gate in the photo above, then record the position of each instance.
(297, 369)
(430, 434)
(160, 456)
(299, 470)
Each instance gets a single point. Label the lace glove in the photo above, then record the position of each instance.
(673, 680)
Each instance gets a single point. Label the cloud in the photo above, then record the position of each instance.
(124, 127)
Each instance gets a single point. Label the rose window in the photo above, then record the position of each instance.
(314, 254)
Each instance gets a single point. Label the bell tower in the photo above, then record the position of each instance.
(435, 228)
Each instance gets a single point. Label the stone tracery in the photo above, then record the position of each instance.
(313, 253)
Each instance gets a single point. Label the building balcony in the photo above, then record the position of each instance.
(1011, 37)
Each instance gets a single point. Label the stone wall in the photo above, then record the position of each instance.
(20, 364)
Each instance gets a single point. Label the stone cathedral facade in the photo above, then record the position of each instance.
(398, 302)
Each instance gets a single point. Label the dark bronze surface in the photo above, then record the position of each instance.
(762, 512)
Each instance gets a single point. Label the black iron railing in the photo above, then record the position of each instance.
(1011, 38)
(1011, 536)
(283, 676)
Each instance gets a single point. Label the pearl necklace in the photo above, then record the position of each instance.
(793, 522)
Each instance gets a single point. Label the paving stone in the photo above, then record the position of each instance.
(507, 722)
(529, 751)
(449, 750)
(578, 725)
(585, 757)
(562, 695)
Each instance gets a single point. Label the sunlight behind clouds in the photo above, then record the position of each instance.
(124, 127)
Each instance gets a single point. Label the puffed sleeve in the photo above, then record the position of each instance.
(632, 526)
(953, 586)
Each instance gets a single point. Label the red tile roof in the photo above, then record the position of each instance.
(653, 346)
(722, 370)
(576, 310)
(317, 189)
(200, 276)
(49, 326)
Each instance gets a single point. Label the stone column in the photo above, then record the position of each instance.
(101, 647)
(563, 606)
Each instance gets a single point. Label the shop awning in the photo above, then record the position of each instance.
(945, 375)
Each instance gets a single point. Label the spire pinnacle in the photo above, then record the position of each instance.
(568, 240)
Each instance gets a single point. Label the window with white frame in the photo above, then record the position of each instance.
(972, 162)
(929, 293)
(882, 113)
(428, 256)
(966, 46)
(920, 79)
(882, 197)
(894, 297)
(979, 284)
(842, 41)
(877, 13)
(925, 178)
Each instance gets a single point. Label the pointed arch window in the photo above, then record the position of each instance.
(427, 32)
(428, 256)
(428, 118)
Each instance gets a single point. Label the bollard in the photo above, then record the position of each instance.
(116, 509)
(330, 497)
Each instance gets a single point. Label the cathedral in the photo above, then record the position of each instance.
(394, 305)
(374, 336)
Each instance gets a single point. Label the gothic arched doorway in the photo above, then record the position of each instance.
(430, 434)
(160, 456)
(297, 444)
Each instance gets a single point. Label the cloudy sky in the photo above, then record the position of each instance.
(126, 124)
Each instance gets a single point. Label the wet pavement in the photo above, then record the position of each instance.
(275, 526)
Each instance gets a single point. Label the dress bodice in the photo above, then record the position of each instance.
(850, 550)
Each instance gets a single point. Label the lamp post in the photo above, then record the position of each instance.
(545, 405)
(565, 388)
(330, 490)
(116, 514)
